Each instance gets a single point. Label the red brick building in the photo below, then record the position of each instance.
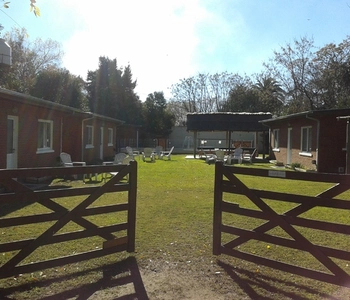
(314, 139)
(33, 132)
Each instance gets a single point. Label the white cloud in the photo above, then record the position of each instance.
(157, 38)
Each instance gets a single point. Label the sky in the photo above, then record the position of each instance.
(165, 41)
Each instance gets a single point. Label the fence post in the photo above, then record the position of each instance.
(131, 231)
(217, 209)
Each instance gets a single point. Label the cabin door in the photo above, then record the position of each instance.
(101, 143)
(12, 142)
(289, 147)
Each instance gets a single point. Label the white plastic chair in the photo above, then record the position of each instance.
(220, 155)
(148, 153)
(158, 151)
(119, 159)
(132, 153)
(67, 162)
(249, 157)
(238, 155)
(167, 154)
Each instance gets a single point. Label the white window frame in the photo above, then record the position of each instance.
(89, 136)
(305, 150)
(46, 136)
(110, 136)
(276, 140)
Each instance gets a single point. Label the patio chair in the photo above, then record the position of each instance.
(67, 162)
(148, 154)
(249, 156)
(237, 155)
(119, 159)
(167, 154)
(132, 153)
(220, 155)
(158, 151)
(213, 158)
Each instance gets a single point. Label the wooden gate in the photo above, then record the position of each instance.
(16, 193)
(292, 222)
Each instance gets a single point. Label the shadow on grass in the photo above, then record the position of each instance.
(123, 276)
(250, 282)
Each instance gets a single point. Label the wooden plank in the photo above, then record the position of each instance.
(217, 218)
(284, 242)
(298, 221)
(304, 176)
(330, 278)
(42, 265)
(64, 237)
(132, 196)
(28, 196)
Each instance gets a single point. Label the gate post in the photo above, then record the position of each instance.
(217, 209)
(131, 231)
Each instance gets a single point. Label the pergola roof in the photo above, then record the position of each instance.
(227, 121)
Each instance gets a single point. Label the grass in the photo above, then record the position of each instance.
(174, 227)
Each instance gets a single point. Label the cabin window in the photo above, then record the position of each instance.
(45, 133)
(89, 136)
(276, 140)
(306, 139)
(110, 136)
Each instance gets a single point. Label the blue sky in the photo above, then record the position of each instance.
(167, 40)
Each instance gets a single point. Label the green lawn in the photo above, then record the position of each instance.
(174, 227)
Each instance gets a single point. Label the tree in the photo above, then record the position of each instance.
(243, 98)
(332, 75)
(270, 93)
(158, 120)
(28, 59)
(60, 86)
(103, 87)
(201, 93)
(111, 92)
(178, 111)
(130, 104)
(292, 67)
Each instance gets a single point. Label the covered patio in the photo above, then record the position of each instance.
(228, 122)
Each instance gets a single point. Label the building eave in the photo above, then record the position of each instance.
(305, 114)
(27, 99)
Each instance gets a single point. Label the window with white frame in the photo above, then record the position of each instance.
(110, 136)
(89, 135)
(45, 133)
(276, 139)
(306, 139)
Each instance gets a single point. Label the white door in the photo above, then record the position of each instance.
(101, 143)
(12, 142)
(289, 147)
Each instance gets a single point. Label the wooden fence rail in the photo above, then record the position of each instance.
(16, 194)
(289, 221)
